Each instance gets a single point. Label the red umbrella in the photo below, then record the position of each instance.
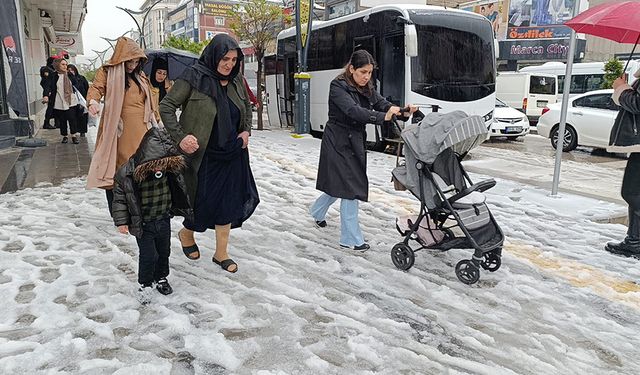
(617, 21)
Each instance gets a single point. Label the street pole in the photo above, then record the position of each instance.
(144, 13)
(302, 78)
(565, 105)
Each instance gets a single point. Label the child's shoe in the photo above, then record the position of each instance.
(145, 292)
(163, 287)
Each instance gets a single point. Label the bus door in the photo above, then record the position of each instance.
(287, 93)
(392, 75)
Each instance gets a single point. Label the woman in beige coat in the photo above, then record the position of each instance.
(129, 110)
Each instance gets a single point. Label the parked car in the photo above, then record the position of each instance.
(508, 122)
(590, 117)
(527, 92)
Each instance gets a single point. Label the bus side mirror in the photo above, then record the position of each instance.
(410, 40)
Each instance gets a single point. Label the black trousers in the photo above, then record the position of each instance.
(67, 117)
(109, 193)
(155, 248)
(631, 194)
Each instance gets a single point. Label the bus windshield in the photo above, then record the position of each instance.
(455, 59)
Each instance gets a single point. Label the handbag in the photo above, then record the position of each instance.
(397, 185)
(81, 100)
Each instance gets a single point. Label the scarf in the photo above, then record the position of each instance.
(204, 77)
(103, 163)
(68, 90)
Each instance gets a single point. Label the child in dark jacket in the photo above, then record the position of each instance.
(149, 189)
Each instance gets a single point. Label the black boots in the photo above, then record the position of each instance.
(628, 247)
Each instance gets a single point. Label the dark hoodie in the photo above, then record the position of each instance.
(156, 152)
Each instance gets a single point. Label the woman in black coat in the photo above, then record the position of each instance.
(625, 138)
(81, 83)
(342, 171)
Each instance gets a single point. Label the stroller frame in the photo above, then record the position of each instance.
(487, 255)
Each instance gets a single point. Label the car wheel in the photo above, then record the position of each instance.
(570, 141)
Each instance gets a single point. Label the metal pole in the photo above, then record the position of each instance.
(298, 97)
(565, 105)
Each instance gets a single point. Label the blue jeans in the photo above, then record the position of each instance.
(350, 233)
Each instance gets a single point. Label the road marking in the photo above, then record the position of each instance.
(579, 274)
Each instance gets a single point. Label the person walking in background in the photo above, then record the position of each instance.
(62, 101)
(252, 97)
(625, 138)
(129, 110)
(148, 190)
(45, 73)
(160, 83)
(214, 129)
(342, 170)
(81, 83)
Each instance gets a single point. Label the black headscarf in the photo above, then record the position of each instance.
(204, 77)
(159, 63)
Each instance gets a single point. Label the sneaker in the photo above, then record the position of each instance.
(321, 224)
(145, 293)
(361, 248)
(163, 287)
(65, 140)
(74, 140)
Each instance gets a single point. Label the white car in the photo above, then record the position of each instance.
(508, 122)
(590, 117)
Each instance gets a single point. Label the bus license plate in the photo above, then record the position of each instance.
(542, 103)
(513, 129)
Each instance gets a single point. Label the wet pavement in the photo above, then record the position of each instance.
(22, 167)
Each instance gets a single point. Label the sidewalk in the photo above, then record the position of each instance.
(22, 167)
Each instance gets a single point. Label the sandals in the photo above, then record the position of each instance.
(226, 264)
(189, 250)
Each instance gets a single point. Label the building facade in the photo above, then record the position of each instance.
(31, 31)
(155, 32)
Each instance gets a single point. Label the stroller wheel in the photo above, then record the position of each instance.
(492, 261)
(467, 272)
(402, 256)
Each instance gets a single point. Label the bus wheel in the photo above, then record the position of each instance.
(316, 134)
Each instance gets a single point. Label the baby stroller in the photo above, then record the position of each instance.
(449, 201)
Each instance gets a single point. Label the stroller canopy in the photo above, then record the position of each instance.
(440, 131)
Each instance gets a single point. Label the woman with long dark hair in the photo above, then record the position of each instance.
(342, 170)
(128, 112)
(214, 129)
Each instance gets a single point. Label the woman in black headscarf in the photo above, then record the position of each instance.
(160, 84)
(214, 130)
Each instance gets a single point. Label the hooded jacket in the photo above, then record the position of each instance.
(625, 133)
(156, 152)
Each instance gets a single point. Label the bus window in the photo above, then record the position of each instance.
(455, 59)
(542, 85)
(392, 85)
(594, 82)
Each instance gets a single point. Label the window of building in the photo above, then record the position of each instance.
(219, 21)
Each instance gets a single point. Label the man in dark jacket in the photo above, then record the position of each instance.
(148, 190)
(625, 137)
(45, 74)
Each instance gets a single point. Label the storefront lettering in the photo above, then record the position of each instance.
(552, 49)
(531, 34)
